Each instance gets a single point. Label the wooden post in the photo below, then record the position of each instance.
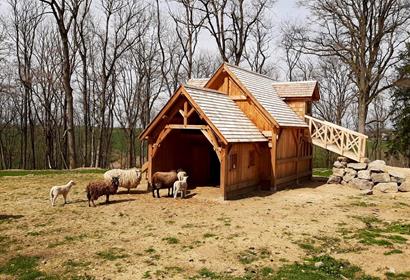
(224, 171)
(297, 154)
(273, 159)
(149, 171)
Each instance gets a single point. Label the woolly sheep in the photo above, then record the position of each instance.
(180, 186)
(129, 178)
(99, 188)
(63, 190)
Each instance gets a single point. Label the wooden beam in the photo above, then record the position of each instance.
(239, 97)
(160, 138)
(273, 153)
(150, 157)
(224, 172)
(190, 112)
(189, 126)
(185, 113)
(211, 138)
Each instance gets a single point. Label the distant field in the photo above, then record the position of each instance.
(313, 232)
(17, 172)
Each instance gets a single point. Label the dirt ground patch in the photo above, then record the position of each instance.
(137, 236)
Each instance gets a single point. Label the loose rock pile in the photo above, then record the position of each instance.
(368, 176)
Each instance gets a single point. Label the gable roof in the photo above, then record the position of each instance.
(225, 115)
(197, 82)
(261, 88)
(222, 113)
(300, 89)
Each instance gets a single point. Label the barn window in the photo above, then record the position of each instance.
(233, 161)
(252, 158)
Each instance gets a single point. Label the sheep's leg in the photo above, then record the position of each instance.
(93, 202)
(108, 199)
(158, 193)
(153, 192)
(54, 200)
(65, 198)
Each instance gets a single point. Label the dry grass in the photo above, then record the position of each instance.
(137, 236)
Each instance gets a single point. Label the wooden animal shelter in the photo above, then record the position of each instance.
(238, 130)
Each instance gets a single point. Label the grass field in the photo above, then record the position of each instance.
(314, 232)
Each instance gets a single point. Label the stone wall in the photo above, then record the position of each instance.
(368, 176)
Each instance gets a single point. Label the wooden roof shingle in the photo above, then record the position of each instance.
(225, 115)
(295, 89)
(261, 88)
(197, 82)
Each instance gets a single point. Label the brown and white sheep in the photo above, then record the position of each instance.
(129, 178)
(162, 180)
(99, 188)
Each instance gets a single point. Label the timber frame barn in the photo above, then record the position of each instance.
(238, 130)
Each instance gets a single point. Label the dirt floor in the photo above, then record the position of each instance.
(137, 236)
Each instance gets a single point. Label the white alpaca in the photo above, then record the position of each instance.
(180, 186)
(57, 190)
(129, 178)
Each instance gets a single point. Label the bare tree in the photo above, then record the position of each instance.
(123, 24)
(26, 17)
(230, 23)
(65, 12)
(290, 31)
(365, 35)
(205, 64)
(337, 91)
(187, 27)
(84, 44)
(258, 52)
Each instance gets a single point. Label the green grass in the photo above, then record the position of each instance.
(398, 276)
(112, 254)
(14, 173)
(393, 252)
(251, 255)
(171, 240)
(382, 234)
(331, 269)
(208, 235)
(322, 172)
(24, 268)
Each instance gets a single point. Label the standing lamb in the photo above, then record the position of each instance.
(180, 186)
(57, 190)
(99, 188)
(129, 178)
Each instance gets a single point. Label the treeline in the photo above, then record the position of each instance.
(78, 75)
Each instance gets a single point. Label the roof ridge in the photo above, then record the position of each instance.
(291, 82)
(203, 89)
(250, 71)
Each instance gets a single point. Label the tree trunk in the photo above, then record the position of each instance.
(362, 115)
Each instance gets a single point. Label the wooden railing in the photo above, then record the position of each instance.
(337, 139)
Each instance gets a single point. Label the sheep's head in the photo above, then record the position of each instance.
(72, 183)
(185, 178)
(138, 172)
(115, 181)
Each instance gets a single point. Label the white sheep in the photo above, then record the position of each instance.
(129, 178)
(180, 186)
(181, 174)
(57, 190)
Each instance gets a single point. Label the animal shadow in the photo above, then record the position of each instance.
(117, 201)
(131, 192)
(10, 217)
